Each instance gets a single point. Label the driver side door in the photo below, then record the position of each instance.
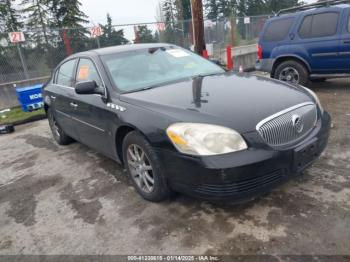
(92, 116)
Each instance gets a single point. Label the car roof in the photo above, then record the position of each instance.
(119, 49)
(312, 10)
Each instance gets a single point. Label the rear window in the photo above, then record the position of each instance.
(278, 29)
(319, 25)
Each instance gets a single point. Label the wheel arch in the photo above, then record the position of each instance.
(120, 135)
(295, 58)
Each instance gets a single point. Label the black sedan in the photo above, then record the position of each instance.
(181, 123)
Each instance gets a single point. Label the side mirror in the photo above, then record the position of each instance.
(88, 88)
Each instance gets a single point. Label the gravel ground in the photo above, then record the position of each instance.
(72, 200)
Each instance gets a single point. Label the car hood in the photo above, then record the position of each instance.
(236, 101)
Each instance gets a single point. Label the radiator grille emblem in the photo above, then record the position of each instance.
(297, 123)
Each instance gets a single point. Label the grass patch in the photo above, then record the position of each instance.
(16, 115)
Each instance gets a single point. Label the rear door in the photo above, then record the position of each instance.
(319, 36)
(93, 118)
(344, 52)
(62, 94)
(276, 33)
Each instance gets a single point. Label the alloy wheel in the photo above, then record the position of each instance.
(289, 74)
(140, 168)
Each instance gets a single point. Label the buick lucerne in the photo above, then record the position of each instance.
(179, 122)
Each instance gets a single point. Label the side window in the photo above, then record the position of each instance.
(305, 28)
(319, 25)
(278, 29)
(88, 72)
(65, 74)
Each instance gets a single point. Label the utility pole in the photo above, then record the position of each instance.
(198, 26)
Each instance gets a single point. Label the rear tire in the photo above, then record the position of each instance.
(57, 132)
(144, 170)
(293, 72)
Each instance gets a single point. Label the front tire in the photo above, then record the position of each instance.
(293, 72)
(143, 167)
(57, 132)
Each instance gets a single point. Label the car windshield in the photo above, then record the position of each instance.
(142, 69)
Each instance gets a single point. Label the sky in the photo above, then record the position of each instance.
(121, 11)
(124, 11)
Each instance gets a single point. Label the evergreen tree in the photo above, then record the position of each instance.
(145, 35)
(212, 9)
(37, 15)
(216, 9)
(68, 16)
(111, 36)
(10, 19)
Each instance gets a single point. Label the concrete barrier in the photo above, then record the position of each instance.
(244, 56)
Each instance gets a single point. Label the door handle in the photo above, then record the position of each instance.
(346, 42)
(73, 105)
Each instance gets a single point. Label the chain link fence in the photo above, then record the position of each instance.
(43, 49)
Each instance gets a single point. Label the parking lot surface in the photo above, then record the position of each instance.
(72, 200)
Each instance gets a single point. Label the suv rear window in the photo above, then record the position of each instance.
(319, 25)
(278, 29)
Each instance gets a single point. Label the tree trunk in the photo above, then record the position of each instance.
(198, 26)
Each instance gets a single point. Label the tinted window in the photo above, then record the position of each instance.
(65, 75)
(305, 28)
(88, 72)
(278, 30)
(349, 24)
(319, 25)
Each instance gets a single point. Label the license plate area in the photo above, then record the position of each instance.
(305, 155)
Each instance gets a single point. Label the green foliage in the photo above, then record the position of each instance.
(111, 36)
(10, 18)
(37, 18)
(144, 35)
(216, 9)
(16, 115)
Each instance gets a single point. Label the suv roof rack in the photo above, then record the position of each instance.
(325, 3)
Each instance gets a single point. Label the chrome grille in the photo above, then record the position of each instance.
(288, 126)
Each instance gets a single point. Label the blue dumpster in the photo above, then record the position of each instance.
(30, 97)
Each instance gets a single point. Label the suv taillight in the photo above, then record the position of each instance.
(260, 52)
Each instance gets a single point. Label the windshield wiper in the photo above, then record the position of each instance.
(204, 75)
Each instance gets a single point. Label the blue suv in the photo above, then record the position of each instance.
(312, 44)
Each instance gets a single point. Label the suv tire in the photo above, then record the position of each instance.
(293, 72)
(57, 132)
(144, 168)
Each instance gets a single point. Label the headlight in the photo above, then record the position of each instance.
(312, 93)
(205, 139)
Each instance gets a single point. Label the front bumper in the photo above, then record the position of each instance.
(242, 175)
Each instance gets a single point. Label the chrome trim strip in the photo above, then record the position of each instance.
(264, 121)
(80, 121)
(87, 124)
(66, 115)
